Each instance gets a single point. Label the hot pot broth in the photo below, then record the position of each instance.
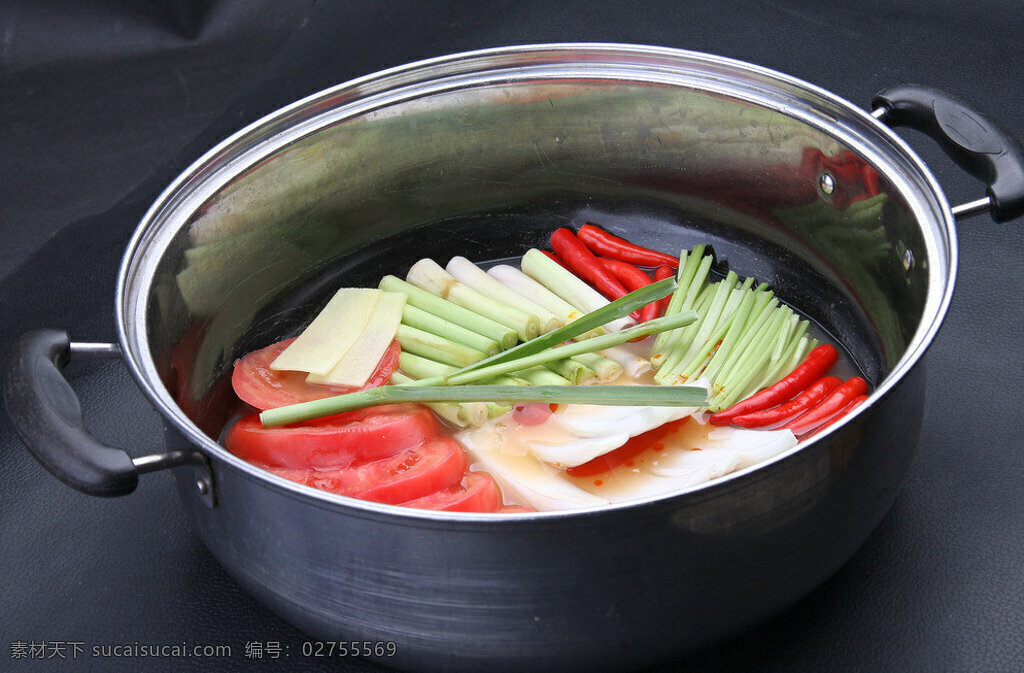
(497, 238)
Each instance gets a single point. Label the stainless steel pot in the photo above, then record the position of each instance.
(790, 183)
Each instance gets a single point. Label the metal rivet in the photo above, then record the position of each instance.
(202, 486)
(908, 259)
(826, 183)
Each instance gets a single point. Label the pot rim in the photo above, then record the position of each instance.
(279, 128)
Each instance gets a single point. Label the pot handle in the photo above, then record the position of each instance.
(976, 144)
(47, 415)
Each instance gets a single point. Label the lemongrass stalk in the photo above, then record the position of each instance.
(574, 371)
(419, 367)
(472, 374)
(631, 363)
(567, 285)
(428, 275)
(620, 307)
(607, 370)
(458, 414)
(506, 380)
(542, 376)
(527, 287)
(665, 396)
(428, 322)
(469, 375)
(436, 348)
(431, 303)
(473, 276)
(497, 409)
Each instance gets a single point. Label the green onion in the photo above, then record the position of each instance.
(670, 396)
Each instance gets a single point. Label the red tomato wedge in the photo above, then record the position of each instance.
(476, 493)
(414, 473)
(332, 443)
(631, 449)
(257, 384)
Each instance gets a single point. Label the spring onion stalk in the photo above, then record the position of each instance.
(573, 371)
(662, 396)
(685, 336)
(631, 363)
(428, 322)
(616, 309)
(526, 287)
(436, 348)
(798, 349)
(751, 365)
(331, 405)
(542, 376)
(458, 414)
(689, 263)
(705, 354)
(473, 276)
(736, 327)
(505, 336)
(428, 275)
(687, 348)
(709, 321)
(567, 285)
(607, 370)
(763, 307)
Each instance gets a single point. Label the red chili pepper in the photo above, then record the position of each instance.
(555, 258)
(799, 404)
(854, 403)
(661, 273)
(634, 279)
(603, 243)
(817, 362)
(828, 407)
(584, 264)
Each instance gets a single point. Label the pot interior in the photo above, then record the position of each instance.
(484, 155)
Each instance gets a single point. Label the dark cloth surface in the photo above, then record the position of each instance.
(103, 103)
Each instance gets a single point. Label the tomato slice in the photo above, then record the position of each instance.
(333, 443)
(264, 388)
(437, 465)
(631, 449)
(476, 493)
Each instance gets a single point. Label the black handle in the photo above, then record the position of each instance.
(972, 141)
(47, 415)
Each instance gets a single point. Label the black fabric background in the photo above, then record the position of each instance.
(102, 103)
